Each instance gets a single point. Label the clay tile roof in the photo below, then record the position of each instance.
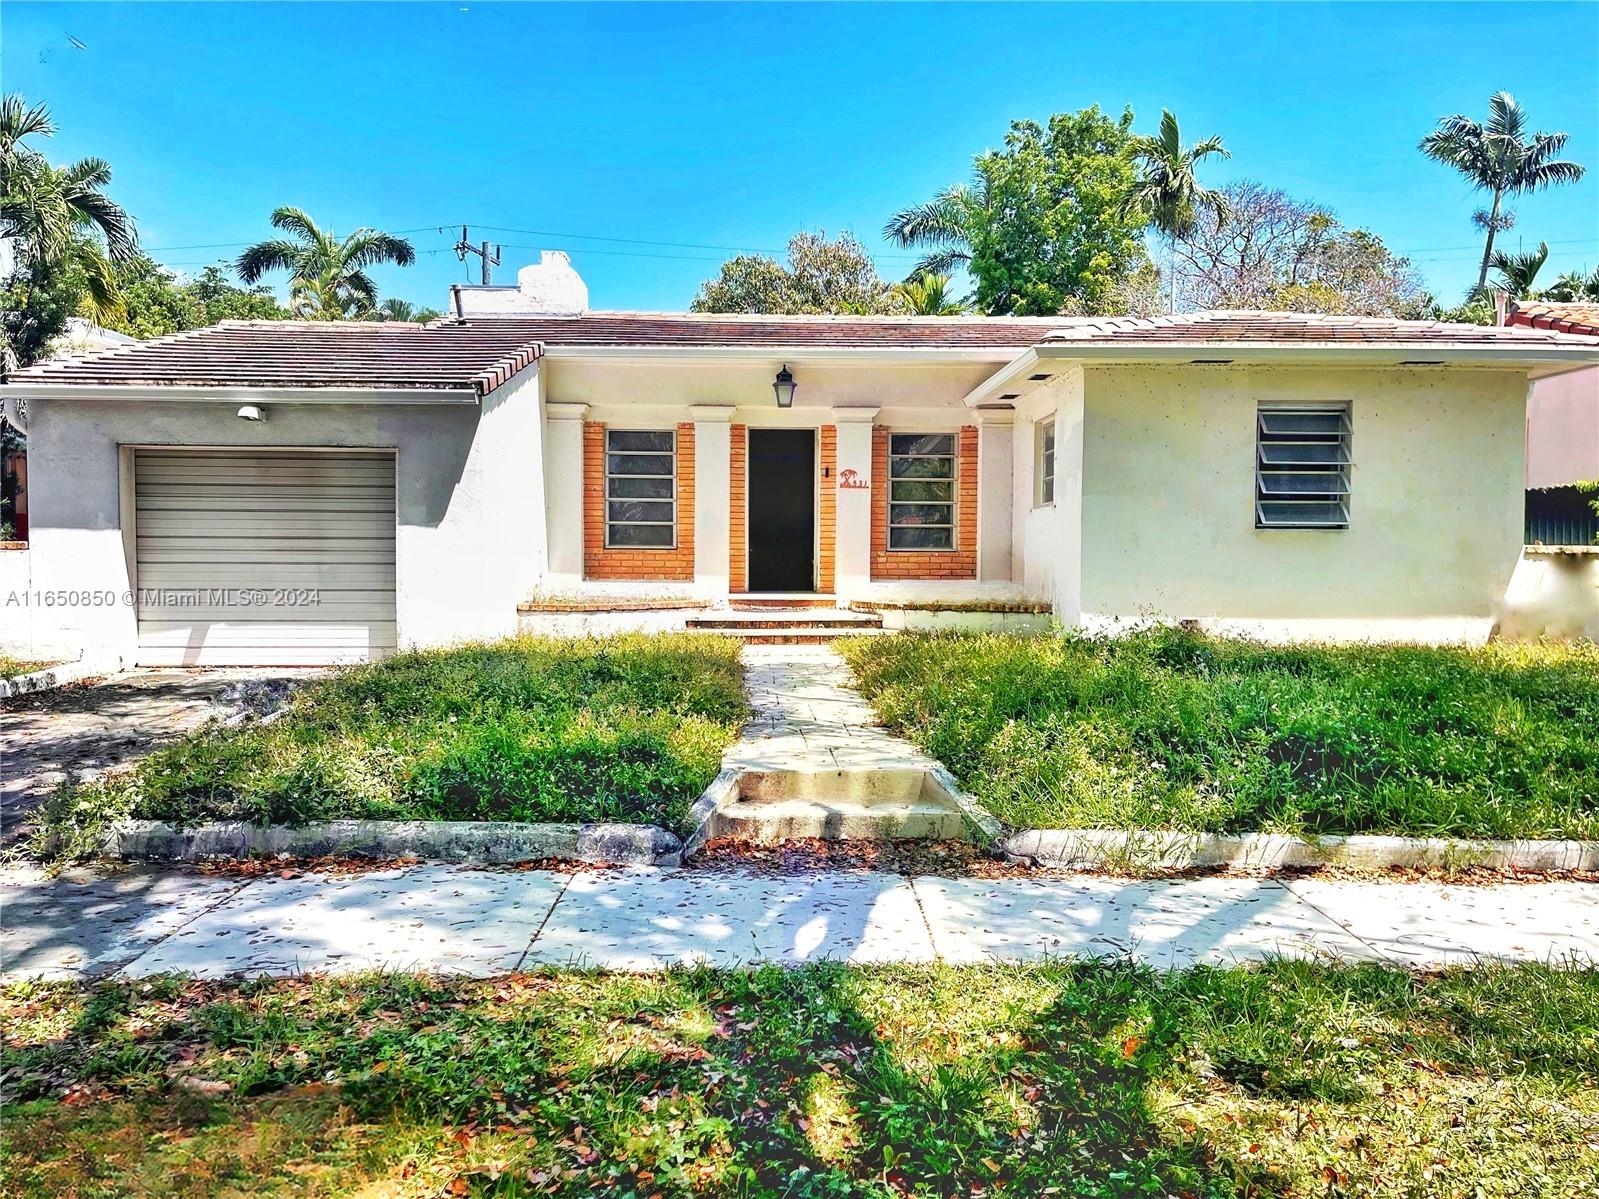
(304, 354)
(1564, 318)
(622, 329)
(1300, 328)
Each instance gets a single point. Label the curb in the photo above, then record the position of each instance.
(1171, 849)
(484, 841)
(52, 677)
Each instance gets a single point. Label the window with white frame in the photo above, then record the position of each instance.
(1302, 467)
(640, 488)
(1044, 464)
(921, 491)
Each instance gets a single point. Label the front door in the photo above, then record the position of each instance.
(782, 510)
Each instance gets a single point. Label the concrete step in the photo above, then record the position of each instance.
(755, 600)
(784, 618)
(766, 821)
(796, 635)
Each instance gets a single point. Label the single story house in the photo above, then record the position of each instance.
(283, 492)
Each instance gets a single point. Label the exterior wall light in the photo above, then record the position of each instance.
(252, 412)
(783, 387)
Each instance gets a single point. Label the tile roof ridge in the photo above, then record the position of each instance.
(501, 370)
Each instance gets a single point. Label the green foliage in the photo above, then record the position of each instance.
(626, 729)
(1089, 1080)
(156, 302)
(1167, 728)
(327, 274)
(822, 277)
(35, 304)
(1042, 228)
(928, 295)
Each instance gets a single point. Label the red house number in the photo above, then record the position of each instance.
(848, 480)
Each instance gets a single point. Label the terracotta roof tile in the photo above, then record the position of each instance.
(483, 353)
(1299, 328)
(304, 354)
(848, 332)
(1564, 318)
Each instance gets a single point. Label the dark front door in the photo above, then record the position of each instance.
(781, 489)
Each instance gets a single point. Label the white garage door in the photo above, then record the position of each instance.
(264, 558)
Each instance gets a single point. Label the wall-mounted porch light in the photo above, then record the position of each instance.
(783, 387)
(252, 412)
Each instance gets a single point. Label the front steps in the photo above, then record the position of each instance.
(837, 805)
(759, 622)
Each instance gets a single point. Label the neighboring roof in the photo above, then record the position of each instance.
(1299, 329)
(1566, 318)
(622, 329)
(367, 355)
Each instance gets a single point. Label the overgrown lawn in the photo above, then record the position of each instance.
(1173, 729)
(531, 729)
(1291, 1079)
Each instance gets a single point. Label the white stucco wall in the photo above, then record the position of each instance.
(1047, 542)
(470, 542)
(1435, 513)
(1554, 593)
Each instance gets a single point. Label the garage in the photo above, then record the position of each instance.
(263, 557)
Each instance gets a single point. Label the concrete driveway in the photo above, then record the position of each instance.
(87, 727)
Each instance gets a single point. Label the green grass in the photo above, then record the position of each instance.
(1173, 729)
(10, 666)
(1291, 1079)
(621, 729)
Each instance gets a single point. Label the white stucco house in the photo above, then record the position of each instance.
(284, 492)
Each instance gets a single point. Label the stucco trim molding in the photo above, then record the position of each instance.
(557, 410)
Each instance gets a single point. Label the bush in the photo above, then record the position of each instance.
(1169, 728)
(620, 729)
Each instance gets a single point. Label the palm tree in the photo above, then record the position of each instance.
(327, 277)
(928, 295)
(944, 226)
(1168, 193)
(1573, 286)
(1517, 271)
(404, 310)
(59, 215)
(1500, 158)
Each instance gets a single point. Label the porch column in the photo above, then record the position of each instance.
(713, 510)
(854, 515)
(995, 467)
(563, 492)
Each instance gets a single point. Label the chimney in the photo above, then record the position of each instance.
(548, 287)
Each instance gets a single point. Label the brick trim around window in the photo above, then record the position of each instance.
(677, 563)
(958, 563)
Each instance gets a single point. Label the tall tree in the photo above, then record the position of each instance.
(155, 301)
(1168, 192)
(1499, 158)
(1273, 251)
(59, 218)
(327, 275)
(822, 276)
(1040, 227)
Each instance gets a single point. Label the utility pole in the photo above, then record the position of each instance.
(486, 260)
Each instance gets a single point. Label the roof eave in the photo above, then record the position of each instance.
(793, 352)
(201, 393)
(1569, 357)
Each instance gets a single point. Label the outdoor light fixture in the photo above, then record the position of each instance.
(252, 412)
(783, 387)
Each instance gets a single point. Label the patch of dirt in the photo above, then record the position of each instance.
(809, 855)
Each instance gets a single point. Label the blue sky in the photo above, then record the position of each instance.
(673, 129)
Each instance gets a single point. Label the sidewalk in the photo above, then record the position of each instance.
(463, 920)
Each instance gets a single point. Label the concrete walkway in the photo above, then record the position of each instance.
(808, 716)
(463, 920)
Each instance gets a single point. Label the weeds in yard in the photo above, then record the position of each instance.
(1170, 728)
(624, 729)
(1291, 1079)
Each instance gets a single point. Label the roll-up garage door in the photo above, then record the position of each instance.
(266, 557)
